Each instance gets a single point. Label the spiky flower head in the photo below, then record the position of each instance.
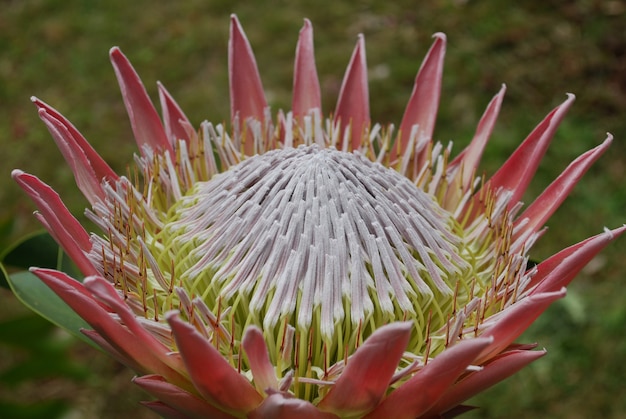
(309, 264)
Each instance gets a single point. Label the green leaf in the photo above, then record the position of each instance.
(40, 250)
(36, 295)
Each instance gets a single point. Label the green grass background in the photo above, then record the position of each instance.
(57, 50)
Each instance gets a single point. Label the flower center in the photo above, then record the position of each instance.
(318, 239)
(317, 247)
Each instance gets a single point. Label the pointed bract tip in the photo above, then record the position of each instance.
(612, 234)
(40, 104)
(440, 36)
(353, 109)
(234, 22)
(404, 326)
(172, 314)
(247, 98)
(251, 330)
(144, 120)
(92, 280)
(16, 173)
(306, 85)
(421, 110)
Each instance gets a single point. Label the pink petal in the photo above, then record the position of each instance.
(366, 377)
(558, 270)
(517, 172)
(61, 224)
(285, 406)
(514, 320)
(496, 370)
(110, 349)
(174, 118)
(63, 283)
(353, 105)
(424, 101)
(77, 141)
(107, 293)
(424, 389)
(521, 347)
(214, 378)
(306, 85)
(545, 205)
(178, 399)
(144, 119)
(258, 357)
(125, 343)
(247, 99)
(467, 161)
(85, 177)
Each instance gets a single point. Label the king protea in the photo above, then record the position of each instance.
(309, 263)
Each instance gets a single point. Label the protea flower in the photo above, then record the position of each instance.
(314, 263)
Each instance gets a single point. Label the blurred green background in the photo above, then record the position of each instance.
(57, 50)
